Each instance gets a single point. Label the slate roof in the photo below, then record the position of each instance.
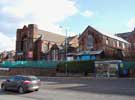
(124, 35)
(115, 37)
(70, 38)
(110, 35)
(53, 37)
(96, 52)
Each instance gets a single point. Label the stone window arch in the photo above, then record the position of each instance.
(90, 41)
(24, 44)
(44, 47)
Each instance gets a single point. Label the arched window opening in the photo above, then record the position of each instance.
(90, 42)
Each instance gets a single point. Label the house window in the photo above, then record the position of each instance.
(90, 41)
(118, 44)
(107, 41)
(134, 44)
(44, 48)
(123, 45)
(25, 45)
(55, 55)
(113, 43)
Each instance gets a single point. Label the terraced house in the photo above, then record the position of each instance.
(130, 37)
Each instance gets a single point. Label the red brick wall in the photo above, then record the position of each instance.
(83, 39)
(100, 43)
(30, 32)
(29, 71)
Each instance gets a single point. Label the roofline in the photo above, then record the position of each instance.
(52, 32)
(103, 34)
(123, 33)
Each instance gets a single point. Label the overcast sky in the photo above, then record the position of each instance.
(112, 16)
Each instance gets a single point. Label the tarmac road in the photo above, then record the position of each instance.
(75, 88)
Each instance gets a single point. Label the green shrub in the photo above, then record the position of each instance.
(76, 66)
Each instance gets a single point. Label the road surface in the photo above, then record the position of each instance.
(71, 88)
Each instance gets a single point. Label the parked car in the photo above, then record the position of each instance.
(21, 83)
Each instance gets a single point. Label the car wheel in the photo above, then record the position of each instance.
(3, 87)
(21, 90)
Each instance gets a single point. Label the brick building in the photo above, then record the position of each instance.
(130, 37)
(72, 47)
(7, 56)
(34, 44)
(98, 45)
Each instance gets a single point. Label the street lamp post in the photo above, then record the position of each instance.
(66, 51)
(66, 66)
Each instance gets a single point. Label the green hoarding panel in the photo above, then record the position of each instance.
(34, 64)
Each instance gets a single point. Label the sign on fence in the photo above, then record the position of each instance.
(4, 69)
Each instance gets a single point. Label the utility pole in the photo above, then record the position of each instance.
(66, 46)
(66, 52)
